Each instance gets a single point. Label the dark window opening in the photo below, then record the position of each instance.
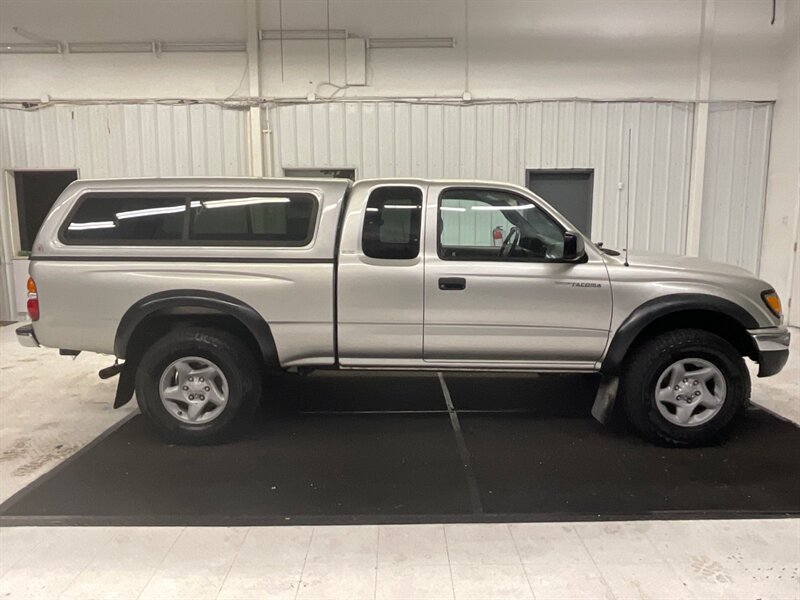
(36, 193)
(569, 191)
(392, 223)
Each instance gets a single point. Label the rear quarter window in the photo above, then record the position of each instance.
(392, 223)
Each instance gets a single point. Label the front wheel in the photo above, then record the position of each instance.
(197, 384)
(684, 387)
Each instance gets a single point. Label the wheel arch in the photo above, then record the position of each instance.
(700, 311)
(150, 314)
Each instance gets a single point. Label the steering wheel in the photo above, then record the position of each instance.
(511, 241)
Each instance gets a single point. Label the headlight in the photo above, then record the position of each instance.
(773, 302)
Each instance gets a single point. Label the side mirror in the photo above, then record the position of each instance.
(573, 245)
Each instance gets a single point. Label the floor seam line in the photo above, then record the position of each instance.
(22, 556)
(594, 562)
(449, 564)
(87, 565)
(377, 558)
(233, 562)
(305, 560)
(161, 562)
(519, 556)
(463, 451)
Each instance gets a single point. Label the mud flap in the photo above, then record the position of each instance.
(125, 385)
(605, 398)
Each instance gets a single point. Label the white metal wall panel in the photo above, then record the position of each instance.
(116, 140)
(734, 188)
(500, 140)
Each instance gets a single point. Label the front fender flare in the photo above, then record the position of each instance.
(656, 308)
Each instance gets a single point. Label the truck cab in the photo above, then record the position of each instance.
(423, 283)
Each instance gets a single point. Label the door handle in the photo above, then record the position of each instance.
(452, 283)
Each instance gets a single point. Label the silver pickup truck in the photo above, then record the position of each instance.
(204, 286)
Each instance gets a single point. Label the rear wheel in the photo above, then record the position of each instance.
(197, 385)
(684, 387)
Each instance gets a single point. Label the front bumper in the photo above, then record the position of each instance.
(27, 337)
(772, 349)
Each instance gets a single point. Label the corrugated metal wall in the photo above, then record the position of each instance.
(735, 183)
(114, 140)
(500, 141)
(127, 140)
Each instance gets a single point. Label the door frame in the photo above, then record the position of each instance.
(11, 212)
(9, 226)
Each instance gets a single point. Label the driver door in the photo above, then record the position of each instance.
(520, 304)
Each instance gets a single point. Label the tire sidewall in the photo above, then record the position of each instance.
(209, 346)
(648, 368)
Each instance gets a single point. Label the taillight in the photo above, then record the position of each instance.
(33, 300)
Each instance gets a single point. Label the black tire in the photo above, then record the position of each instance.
(648, 360)
(234, 359)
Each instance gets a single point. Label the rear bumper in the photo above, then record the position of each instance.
(772, 349)
(27, 337)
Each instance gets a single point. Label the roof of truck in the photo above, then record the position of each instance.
(327, 187)
(194, 180)
(228, 180)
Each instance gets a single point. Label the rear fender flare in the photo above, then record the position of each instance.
(208, 302)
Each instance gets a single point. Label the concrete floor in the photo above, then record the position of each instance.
(51, 406)
(665, 559)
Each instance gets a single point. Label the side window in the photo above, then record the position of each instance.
(213, 219)
(486, 224)
(392, 223)
(102, 219)
(275, 220)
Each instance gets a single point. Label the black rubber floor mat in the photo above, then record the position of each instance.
(530, 465)
(288, 467)
(541, 395)
(356, 391)
(546, 459)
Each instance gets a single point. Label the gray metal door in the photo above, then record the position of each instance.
(569, 191)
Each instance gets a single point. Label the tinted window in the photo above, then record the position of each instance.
(120, 219)
(485, 224)
(392, 223)
(284, 220)
(266, 220)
